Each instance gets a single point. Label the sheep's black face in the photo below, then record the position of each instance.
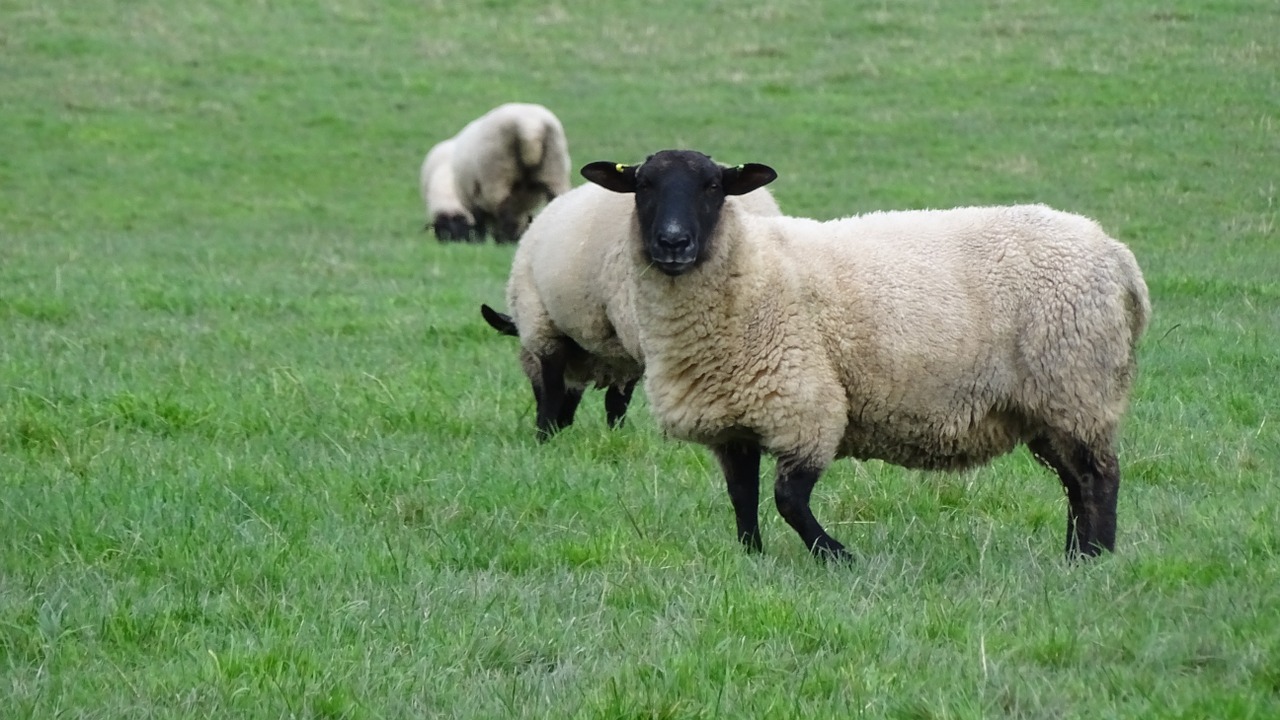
(679, 196)
(678, 201)
(452, 227)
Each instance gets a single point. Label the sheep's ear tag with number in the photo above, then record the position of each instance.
(620, 168)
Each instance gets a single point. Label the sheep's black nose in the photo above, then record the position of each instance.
(677, 240)
(674, 235)
(673, 248)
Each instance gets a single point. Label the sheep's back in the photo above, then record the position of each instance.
(570, 262)
(955, 331)
(490, 149)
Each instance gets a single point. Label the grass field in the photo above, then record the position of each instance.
(260, 457)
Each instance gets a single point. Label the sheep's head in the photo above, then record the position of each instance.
(679, 196)
(452, 227)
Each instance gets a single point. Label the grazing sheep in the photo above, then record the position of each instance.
(570, 304)
(446, 214)
(493, 175)
(506, 163)
(928, 339)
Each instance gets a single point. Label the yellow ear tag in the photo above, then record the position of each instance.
(620, 167)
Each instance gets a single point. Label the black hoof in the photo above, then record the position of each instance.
(830, 551)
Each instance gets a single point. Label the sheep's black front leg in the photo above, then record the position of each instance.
(740, 462)
(791, 492)
(616, 400)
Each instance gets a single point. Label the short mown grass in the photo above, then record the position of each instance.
(260, 456)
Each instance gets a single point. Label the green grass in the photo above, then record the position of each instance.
(260, 457)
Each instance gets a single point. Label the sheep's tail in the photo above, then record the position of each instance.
(531, 137)
(1137, 300)
(499, 321)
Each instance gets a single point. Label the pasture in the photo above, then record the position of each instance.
(260, 456)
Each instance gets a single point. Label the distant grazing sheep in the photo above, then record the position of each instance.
(928, 339)
(505, 164)
(570, 302)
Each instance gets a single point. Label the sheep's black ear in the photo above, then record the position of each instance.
(611, 176)
(499, 321)
(743, 179)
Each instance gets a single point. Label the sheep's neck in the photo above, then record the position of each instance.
(710, 334)
(715, 300)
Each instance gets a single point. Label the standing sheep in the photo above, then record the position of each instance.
(446, 214)
(928, 339)
(571, 306)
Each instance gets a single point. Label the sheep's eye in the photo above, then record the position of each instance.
(713, 186)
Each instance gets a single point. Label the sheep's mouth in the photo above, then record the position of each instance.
(672, 268)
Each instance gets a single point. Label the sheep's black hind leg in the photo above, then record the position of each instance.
(1045, 453)
(1092, 483)
(551, 396)
(616, 400)
(1099, 473)
(481, 227)
(740, 462)
(791, 492)
(506, 223)
(568, 407)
